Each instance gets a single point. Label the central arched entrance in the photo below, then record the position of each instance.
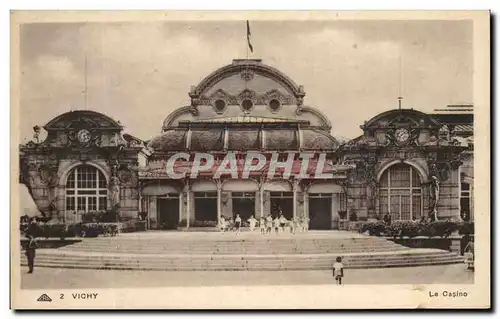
(280, 193)
(242, 194)
(401, 194)
(86, 190)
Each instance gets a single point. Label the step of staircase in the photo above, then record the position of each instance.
(235, 246)
(242, 262)
(218, 252)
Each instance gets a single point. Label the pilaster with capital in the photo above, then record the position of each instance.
(218, 183)
(295, 185)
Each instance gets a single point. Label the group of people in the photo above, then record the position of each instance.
(266, 224)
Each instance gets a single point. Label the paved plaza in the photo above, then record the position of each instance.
(59, 278)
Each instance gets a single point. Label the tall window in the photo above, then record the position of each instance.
(401, 193)
(342, 201)
(86, 190)
(465, 201)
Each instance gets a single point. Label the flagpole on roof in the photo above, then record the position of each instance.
(249, 35)
(247, 39)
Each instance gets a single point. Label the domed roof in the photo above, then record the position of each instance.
(202, 140)
(173, 140)
(318, 140)
(246, 88)
(243, 139)
(282, 140)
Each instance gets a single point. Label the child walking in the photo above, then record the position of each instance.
(338, 270)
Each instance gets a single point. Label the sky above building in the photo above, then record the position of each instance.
(137, 73)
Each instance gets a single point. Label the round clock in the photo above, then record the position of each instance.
(83, 136)
(402, 135)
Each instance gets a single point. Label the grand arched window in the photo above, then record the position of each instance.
(401, 193)
(86, 189)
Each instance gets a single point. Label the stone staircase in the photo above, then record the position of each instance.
(233, 252)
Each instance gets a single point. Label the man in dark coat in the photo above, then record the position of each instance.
(387, 219)
(31, 247)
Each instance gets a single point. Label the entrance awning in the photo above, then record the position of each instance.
(158, 189)
(325, 187)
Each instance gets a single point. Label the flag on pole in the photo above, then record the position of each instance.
(249, 34)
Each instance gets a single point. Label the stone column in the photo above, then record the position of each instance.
(261, 200)
(188, 206)
(295, 188)
(219, 199)
(306, 205)
(139, 205)
(139, 210)
(152, 212)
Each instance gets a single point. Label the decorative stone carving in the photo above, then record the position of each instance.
(434, 197)
(126, 177)
(434, 190)
(247, 95)
(48, 173)
(114, 191)
(93, 140)
(401, 137)
(114, 186)
(257, 99)
(300, 100)
(456, 162)
(247, 75)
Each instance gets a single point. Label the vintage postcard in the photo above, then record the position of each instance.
(250, 160)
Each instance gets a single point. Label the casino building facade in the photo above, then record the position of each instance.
(405, 163)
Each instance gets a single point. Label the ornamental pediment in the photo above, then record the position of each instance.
(243, 75)
(401, 118)
(76, 120)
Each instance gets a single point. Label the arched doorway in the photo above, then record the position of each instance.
(205, 200)
(280, 193)
(242, 194)
(401, 194)
(163, 204)
(324, 199)
(86, 190)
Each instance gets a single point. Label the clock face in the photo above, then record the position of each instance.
(83, 136)
(402, 135)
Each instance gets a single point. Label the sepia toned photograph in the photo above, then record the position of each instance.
(249, 151)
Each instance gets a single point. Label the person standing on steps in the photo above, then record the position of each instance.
(262, 225)
(269, 223)
(252, 222)
(31, 247)
(237, 222)
(277, 224)
(338, 270)
(283, 222)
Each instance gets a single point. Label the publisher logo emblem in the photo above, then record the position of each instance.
(44, 297)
